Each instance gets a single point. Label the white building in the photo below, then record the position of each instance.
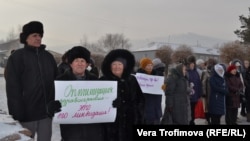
(199, 52)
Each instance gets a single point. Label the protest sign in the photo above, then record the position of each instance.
(85, 101)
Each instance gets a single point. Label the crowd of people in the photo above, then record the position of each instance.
(32, 70)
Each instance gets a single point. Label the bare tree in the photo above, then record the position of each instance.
(98, 58)
(164, 53)
(93, 47)
(181, 53)
(114, 41)
(232, 50)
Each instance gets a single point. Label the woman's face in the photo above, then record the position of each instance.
(191, 66)
(117, 68)
(79, 66)
(149, 68)
(234, 71)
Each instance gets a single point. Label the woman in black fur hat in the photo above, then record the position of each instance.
(118, 66)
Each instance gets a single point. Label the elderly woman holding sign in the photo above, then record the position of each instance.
(78, 58)
(118, 66)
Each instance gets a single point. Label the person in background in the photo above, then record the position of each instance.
(235, 87)
(118, 66)
(200, 63)
(78, 59)
(153, 107)
(195, 81)
(93, 68)
(158, 66)
(240, 69)
(247, 91)
(206, 89)
(64, 65)
(30, 89)
(246, 101)
(177, 101)
(219, 90)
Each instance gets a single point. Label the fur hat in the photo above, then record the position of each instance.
(78, 52)
(144, 62)
(29, 28)
(230, 68)
(118, 54)
(191, 59)
(157, 63)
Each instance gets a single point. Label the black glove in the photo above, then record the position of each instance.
(53, 107)
(116, 103)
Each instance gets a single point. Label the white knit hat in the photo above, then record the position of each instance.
(200, 61)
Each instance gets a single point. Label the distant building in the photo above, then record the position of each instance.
(6, 48)
(199, 52)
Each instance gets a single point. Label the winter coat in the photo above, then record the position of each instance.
(153, 107)
(130, 99)
(234, 86)
(177, 97)
(194, 77)
(219, 90)
(247, 90)
(30, 75)
(206, 90)
(62, 67)
(95, 131)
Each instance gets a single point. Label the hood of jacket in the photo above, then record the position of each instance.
(112, 56)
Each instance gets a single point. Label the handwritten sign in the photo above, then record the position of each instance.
(150, 83)
(85, 101)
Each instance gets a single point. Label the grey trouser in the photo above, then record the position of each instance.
(41, 128)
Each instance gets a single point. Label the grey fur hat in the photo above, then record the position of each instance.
(157, 63)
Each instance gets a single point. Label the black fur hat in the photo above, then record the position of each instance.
(118, 54)
(191, 59)
(29, 28)
(78, 52)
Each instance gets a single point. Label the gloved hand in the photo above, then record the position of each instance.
(53, 107)
(116, 103)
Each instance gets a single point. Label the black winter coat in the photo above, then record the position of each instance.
(130, 99)
(30, 75)
(129, 111)
(153, 107)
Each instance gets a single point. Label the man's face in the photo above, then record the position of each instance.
(34, 40)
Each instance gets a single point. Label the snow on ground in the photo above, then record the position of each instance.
(56, 129)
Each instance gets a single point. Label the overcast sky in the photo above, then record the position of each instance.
(66, 22)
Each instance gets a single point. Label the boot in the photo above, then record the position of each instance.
(248, 117)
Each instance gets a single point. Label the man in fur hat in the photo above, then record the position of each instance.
(30, 75)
